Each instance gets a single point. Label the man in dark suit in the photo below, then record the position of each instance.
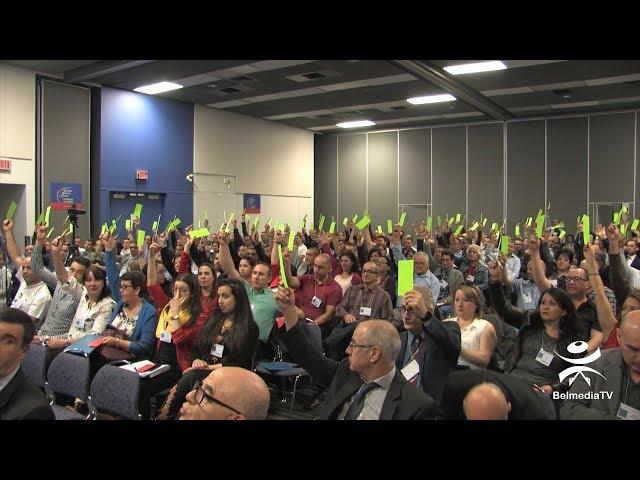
(631, 253)
(366, 385)
(489, 395)
(429, 347)
(19, 400)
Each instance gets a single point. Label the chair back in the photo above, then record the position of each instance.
(34, 365)
(116, 391)
(69, 375)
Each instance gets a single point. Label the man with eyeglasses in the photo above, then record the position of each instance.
(367, 385)
(361, 302)
(228, 393)
(429, 347)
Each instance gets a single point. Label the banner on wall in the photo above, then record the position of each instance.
(252, 202)
(63, 195)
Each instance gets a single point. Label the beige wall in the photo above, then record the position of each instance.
(17, 141)
(263, 157)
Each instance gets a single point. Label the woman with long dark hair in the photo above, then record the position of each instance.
(349, 275)
(229, 338)
(543, 334)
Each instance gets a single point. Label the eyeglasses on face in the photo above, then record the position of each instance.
(125, 287)
(575, 279)
(201, 395)
(353, 344)
(370, 272)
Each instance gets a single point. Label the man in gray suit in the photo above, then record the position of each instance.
(618, 396)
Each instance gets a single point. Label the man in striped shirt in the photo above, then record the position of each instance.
(63, 304)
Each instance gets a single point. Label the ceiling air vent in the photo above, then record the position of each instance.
(317, 75)
(399, 107)
(243, 79)
(230, 90)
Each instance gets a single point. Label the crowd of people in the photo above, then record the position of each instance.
(491, 327)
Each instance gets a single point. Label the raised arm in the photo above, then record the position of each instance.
(113, 277)
(226, 261)
(542, 282)
(321, 368)
(510, 314)
(37, 262)
(58, 261)
(606, 318)
(12, 246)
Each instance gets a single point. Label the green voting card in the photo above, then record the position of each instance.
(405, 276)
(283, 275)
(11, 210)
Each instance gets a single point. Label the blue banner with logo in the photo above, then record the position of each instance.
(63, 195)
(252, 202)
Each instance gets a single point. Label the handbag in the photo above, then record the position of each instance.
(112, 354)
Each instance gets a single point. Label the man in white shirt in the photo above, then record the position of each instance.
(631, 250)
(513, 263)
(33, 296)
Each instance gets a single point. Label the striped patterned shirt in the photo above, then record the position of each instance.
(63, 304)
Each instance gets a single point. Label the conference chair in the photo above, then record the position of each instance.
(115, 390)
(69, 375)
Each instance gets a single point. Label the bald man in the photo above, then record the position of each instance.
(489, 395)
(365, 386)
(617, 396)
(320, 294)
(228, 393)
(486, 402)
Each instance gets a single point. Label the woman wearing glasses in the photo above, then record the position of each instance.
(134, 319)
(229, 338)
(477, 335)
(548, 329)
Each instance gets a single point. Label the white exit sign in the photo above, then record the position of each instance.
(5, 165)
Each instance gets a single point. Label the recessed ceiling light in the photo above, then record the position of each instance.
(355, 124)
(431, 99)
(158, 88)
(476, 67)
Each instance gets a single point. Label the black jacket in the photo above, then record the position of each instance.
(20, 400)
(524, 401)
(403, 400)
(438, 355)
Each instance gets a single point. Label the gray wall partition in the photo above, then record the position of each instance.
(383, 175)
(65, 146)
(525, 169)
(449, 170)
(611, 154)
(486, 180)
(415, 166)
(567, 168)
(500, 169)
(352, 175)
(326, 178)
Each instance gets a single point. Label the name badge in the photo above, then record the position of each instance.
(470, 278)
(443, 283)
(526, 296)
(316, 302)
(217, 349)
(545, 358)
(79, 323)
(410, 370)
(17, 303)
(365, 311)
(165, 337)
(625, 412)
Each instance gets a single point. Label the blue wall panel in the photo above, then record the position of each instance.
(143, 132)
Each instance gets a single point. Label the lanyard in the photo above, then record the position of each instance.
(315, 285)
(373, 294)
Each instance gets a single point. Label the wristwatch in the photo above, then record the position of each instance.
(175, 317)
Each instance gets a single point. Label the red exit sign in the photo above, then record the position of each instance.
(5, 165)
